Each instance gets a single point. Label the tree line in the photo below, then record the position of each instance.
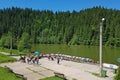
(28, 26)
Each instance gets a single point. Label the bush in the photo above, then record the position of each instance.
(117, 76)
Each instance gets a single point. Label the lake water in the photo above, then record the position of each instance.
(109, 54)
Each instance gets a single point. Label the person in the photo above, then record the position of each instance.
(27, 60)
(22, 58)
(49, 56)
(37, 60)
(58, 59)
(52, 58)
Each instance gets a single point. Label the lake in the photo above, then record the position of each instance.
(109, 54)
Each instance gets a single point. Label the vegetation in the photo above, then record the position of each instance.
(117, 76)
(95, 74)
(46, 27)
(4, 58)
(15, 51)
(52, 78)
(24, 43)
(5, 74)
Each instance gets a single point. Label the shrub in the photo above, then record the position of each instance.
(117, 76)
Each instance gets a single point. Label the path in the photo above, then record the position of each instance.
(30, 71)
(80, 71)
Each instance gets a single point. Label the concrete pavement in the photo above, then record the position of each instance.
(46, 68)
(30, 71)
(79, 71)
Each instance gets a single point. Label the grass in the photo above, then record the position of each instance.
(96, 74)
(52, 78)
(5, 58)
(5, 74)
(74, 79)
(14, 51)
(8, 50)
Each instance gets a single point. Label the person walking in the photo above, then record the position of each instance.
(58, 59)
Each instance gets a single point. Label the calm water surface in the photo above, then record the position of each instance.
(109, 54)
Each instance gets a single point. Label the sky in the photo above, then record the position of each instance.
(60, 5)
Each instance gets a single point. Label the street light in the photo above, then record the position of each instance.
(11, 44)
(101, 25)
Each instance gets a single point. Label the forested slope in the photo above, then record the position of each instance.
(46, 27)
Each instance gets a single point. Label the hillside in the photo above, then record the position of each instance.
(46, 27)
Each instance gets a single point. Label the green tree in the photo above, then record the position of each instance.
(24, 43)
(7, 40)
(46, 27)
(2, 41)
(74, 40)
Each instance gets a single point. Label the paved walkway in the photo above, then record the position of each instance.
(31, 72)
(79, 71)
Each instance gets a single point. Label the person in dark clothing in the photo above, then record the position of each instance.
(58, 59)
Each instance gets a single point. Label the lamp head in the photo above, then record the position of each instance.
(103, 19)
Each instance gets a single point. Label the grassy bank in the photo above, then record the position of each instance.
(52, 78)
(5, 74)
(14, 51)
(4, 58)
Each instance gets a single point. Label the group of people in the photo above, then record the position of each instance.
(30, 59)
(35, 58)
(69, 58)
(52, 57)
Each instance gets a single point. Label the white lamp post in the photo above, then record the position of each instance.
(11, 44)
(101, 25)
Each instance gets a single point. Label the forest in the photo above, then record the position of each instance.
(27, 26)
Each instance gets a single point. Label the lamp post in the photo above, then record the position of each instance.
(100, 54)
(11, 44)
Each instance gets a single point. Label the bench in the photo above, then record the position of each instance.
(60, 75)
